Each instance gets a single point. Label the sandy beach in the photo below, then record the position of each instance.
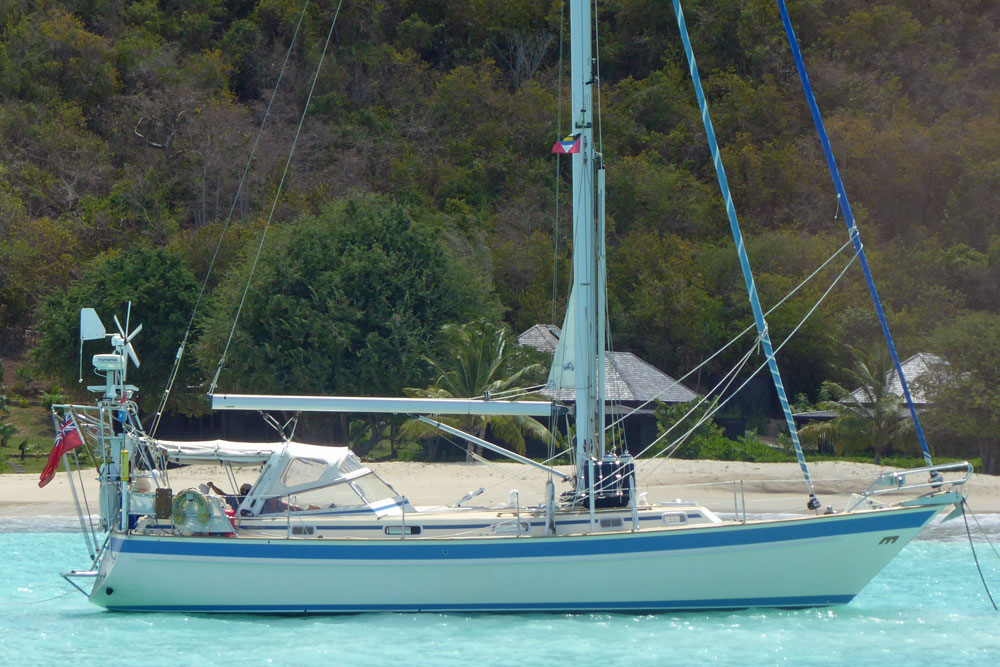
(767, 487)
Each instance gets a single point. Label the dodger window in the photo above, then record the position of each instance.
(303, 471)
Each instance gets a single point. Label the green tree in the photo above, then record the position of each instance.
(50, 53)
(965, 390)
(343, 302)
(478, 360)
(7, 431)
(875, 421)
(708, 435)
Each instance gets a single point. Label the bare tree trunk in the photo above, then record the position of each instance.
(204, 192)
(989, 452)
(482, 436)
(525, 53)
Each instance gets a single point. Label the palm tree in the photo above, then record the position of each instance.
(480, 360)
(875, 421)
(7, 431)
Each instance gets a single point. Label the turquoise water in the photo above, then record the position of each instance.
(928, 606)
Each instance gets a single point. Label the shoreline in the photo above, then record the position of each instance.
(768, 488)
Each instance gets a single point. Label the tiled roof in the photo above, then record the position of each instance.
(818, 415)
(627, 377)
(913, 368)
(542, 337)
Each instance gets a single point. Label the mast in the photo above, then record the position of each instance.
(588, 356)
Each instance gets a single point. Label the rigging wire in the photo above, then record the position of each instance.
(172, 377)
(469, 450)
(54, 597)
(555, 221)
(788, 338)
(277, 195)
(975, 557)
(748, 279)
(602, 268)
(724, 383)
(745, 331)
(775, 351)
(511, 394)
(86, 503)
(597, 78)
(985, 534)
(852, 229)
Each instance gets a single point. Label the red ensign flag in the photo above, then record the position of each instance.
(67, 440)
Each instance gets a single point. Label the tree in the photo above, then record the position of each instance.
(674, 418)
(7, 431)
(343, 302)
(477, 360)
(965, 390)
(877, 421)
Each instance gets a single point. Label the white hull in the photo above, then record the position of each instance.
(801, 562)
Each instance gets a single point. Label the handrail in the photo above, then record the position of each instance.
(890, 482)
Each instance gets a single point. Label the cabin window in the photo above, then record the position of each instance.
(402, 530)
(350, 464)
(303, 471)
(303, 530)
(336, 496)
(615, 522)
(674, 518)
(373, 489)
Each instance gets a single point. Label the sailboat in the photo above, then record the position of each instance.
(321, 532)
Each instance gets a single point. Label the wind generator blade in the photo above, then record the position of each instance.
(132, 355)
(119, 325)
(132, 335)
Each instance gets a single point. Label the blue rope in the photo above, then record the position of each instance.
(838, 184)
(734, 225)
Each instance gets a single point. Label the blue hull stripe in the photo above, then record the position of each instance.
(534, 547)
(639, 605)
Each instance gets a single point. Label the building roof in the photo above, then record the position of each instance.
(542, 337)
(816, 415)
(914, 368)
(627, 377)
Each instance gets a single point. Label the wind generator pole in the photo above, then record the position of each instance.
(589, 396)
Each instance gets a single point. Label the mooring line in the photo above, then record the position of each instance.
(975, 557)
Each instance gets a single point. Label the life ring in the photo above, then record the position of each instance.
(183, 498)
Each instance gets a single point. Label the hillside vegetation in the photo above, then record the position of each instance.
(125, 129)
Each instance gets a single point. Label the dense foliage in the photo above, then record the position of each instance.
(126, 124)
(344, 302)
(966, 389)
